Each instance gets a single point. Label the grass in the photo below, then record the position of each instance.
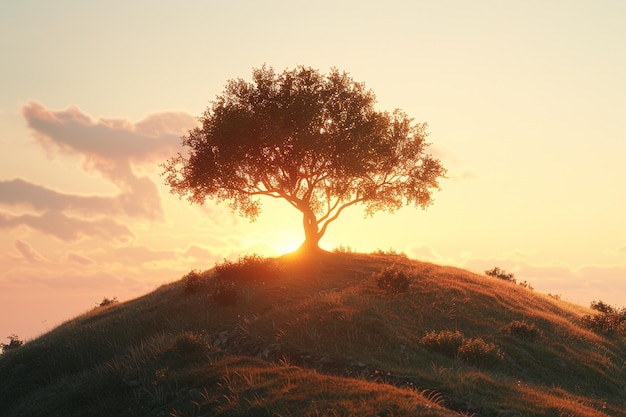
(323, 338)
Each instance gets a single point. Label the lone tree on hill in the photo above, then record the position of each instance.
(313, 140)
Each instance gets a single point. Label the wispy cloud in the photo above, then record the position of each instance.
(79, 259)
(118, 140)
(140, 201)
(67, 228)
(110, 147)
(26, 252)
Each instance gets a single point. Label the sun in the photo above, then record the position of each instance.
(286, 242)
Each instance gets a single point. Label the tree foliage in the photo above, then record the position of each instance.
(314, 140)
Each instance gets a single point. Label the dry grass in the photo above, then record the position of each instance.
(321, 339)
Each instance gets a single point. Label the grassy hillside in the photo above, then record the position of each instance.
(322, 338)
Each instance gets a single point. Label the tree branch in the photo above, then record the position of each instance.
(337, 213)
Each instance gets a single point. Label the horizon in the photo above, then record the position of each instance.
(524, 105)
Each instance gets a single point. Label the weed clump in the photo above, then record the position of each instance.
(343, 249)
(501, 274)
(192, 281)
(249, 268)
(522, 330)
(14, 343)
(609, 319)
(392, 280)
(226, 293)
(527, 285)
(445, 342)
(390, 252)
(106, 301)
(191, 346)
(477, 352)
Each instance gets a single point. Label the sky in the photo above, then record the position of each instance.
(525, 103)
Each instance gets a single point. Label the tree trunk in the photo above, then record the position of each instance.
(312, 235)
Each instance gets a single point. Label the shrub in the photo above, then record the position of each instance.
(191, 346)
(226, 293)
(522, 330)
(604, 308)
(107, 301)
(501, 274)
(343, 249)
(445, 341)
(14, 343)
(249, 268)
(526, 284)
(192, 281)
(609, 319)
(477, 352)
(390, 252)
(392, 280)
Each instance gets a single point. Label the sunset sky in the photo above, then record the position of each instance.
(525, 102)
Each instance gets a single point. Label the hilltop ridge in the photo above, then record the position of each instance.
(322, 337)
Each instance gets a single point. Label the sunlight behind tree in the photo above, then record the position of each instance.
(313, 140)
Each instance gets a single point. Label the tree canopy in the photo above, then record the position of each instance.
(313, 140)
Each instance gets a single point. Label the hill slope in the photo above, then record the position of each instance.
(322, 338)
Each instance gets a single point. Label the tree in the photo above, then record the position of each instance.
(313, 140)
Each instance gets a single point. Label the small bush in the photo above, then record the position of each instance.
(249, 268)
(192, 281)
(226, 293)
(392, 280)
(477, 352)
(605, 308)
(390, 252)
(343, 249)
(107, 301)
(526, 284)
(522, 330)
(14, 343)
(501, 274)
(191, 346)
(608, 320)
(445, 341)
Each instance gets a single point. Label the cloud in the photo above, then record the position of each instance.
(198, 253)
(425, 253)
(110, 147)
(143, 257)
(140, 201)
(22, 192)
(139, 255)
(71, 280)
(79, 259)
(71, 130)
(67, 228)
(27, 253)
(134, 255)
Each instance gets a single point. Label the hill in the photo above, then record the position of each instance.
(319, 336)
